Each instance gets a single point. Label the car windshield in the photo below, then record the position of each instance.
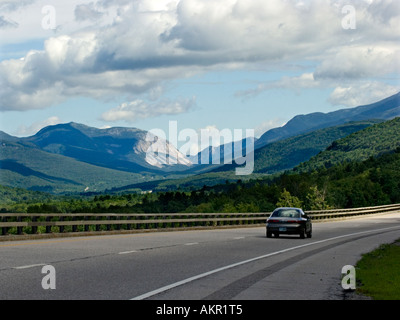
(286, 213)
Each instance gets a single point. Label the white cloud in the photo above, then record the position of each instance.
(361, 94)
(359, 62)
(139, 109)
(107, 48)
(13, 5)
(7, 24)
(304, 81)
(267, 125)
(87, 12)
(36, 126)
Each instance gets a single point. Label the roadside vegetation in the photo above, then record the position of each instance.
(378, 274)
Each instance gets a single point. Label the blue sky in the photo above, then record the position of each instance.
(234, 64)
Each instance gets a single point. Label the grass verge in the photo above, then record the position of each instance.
(378, 273)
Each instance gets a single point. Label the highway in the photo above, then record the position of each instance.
(219, 264)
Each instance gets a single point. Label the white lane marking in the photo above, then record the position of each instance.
(203, 275)
(30, 266)
(238, 238)
(127, 252)
(191, 243)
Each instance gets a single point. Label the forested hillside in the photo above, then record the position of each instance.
(347, 181)
(23, 165)
(288, 153)
(375, 181)
(370, 142)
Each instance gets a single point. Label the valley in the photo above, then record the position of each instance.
(74, 158)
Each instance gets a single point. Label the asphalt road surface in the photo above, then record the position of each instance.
(226, 264)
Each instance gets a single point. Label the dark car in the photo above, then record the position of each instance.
(289, 221)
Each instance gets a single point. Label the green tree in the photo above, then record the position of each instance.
(287, 200)
(316, 199)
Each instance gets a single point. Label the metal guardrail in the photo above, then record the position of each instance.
(344, 213)
(58, 223)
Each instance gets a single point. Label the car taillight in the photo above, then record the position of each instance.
(293, 221)
(273, 221)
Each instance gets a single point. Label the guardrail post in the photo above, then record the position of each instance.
(129, 226)
(61, 228)
(19, 228)
(109, 225)
(74, 227)
(118, 226)
(97, 225)
(34, 228)
(86, 227)
(164, 225)
(4, 229)
(48, 228)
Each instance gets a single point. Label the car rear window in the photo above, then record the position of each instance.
(286, 213)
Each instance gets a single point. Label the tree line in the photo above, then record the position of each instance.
(375, 181)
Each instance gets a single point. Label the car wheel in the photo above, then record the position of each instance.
(309, 234)
(302, 233)
(269, 234)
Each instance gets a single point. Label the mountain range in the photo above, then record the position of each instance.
(287, 153)
(385, 109)
(373, 141)
(118, 148)
(74, 157)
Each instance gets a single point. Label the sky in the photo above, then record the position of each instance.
(206, 64)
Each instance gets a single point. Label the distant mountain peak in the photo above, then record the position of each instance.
(385, 109)
(121, 148)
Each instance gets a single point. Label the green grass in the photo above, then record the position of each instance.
(379, 273)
